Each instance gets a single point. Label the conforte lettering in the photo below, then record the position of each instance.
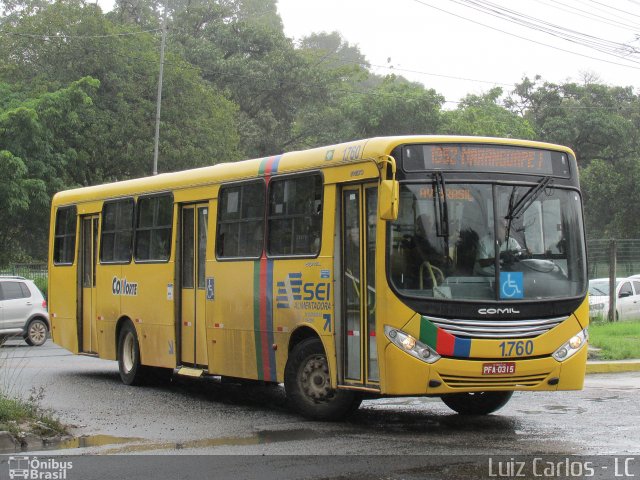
(120, 286)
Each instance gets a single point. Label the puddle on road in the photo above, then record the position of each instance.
(259, 438)
(77, 442)
(136, 445)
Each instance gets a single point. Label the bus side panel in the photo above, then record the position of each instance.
(63, 296)
(146, 293)
(108, 309)
(63, 307)
(231, 320)
(303, 296)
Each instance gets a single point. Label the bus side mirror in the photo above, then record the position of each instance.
(388, 198)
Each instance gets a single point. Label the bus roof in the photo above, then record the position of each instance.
(316, 158)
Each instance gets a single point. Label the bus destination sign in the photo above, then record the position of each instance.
(484, 158)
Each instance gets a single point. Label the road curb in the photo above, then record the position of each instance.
(613, 366)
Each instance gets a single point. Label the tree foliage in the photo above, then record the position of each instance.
(78, 104)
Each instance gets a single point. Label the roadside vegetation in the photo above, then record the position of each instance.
(24, 416)
(617, 341)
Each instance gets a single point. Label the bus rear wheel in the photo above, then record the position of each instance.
(131, 370)
(308, 384)
(476, 403)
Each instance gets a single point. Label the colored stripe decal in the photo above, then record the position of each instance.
(263, 297)
(263, 319)
(256, 318)
(270, 337)
(443, 342)
(269, 165)
(462, 347)
(428, 332)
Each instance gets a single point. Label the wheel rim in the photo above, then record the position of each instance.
(314, 380)
(37, 333)
(128, 353)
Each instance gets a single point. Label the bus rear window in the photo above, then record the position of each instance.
(64, 243)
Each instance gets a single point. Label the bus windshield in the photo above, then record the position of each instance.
(500, 242)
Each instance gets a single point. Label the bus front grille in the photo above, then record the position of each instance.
(496, 329)
(456, 381)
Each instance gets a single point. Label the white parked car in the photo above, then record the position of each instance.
(23, 310)
(627, 298)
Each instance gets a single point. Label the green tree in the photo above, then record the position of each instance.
(482, 115)
(69, 39)
(395, 107)
(38, 152)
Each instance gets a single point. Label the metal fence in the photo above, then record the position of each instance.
(32, 271)
(627, 254)
(599, 254)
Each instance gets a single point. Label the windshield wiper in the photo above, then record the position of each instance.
(440, 204)
(525, 202)
(442, 211)
(527, 199)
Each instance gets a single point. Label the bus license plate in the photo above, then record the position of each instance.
(498, 368)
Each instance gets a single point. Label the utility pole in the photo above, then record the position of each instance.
(613, 254)
(159, 96)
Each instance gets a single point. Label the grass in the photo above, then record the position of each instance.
(618, 340)
(18, 416)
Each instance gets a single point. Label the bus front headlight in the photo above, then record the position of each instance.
(410, 345)
(574, 344)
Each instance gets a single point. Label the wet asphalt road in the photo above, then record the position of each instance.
(205, 417)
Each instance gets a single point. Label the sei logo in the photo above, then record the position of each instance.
(294, 293)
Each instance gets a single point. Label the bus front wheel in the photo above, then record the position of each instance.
(476, 403)
(308, 384)
(131, 370)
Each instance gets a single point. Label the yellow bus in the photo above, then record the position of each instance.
(413, 265)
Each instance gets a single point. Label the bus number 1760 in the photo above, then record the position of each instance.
(516, 348)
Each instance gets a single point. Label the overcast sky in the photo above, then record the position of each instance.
(448, 38)
(456, 49)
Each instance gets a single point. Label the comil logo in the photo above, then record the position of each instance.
(38, 469)
(497, 311)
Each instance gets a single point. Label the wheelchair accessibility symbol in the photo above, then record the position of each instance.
(511, 285)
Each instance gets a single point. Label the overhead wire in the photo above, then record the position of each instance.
(592, 17)
(626, 12)
(584, 39)
(425, 4)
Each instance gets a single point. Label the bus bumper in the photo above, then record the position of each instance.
(448, 375)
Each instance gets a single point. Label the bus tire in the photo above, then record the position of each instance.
(476, 403)
(308, 384)
(131, 370)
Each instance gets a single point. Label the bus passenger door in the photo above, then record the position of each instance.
(194, 223)
(89, 255)
(358, 299)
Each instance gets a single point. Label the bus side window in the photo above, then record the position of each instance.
(241, 220)
(64, 243)
(153, 228)
(117, 231)
(295, 215)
